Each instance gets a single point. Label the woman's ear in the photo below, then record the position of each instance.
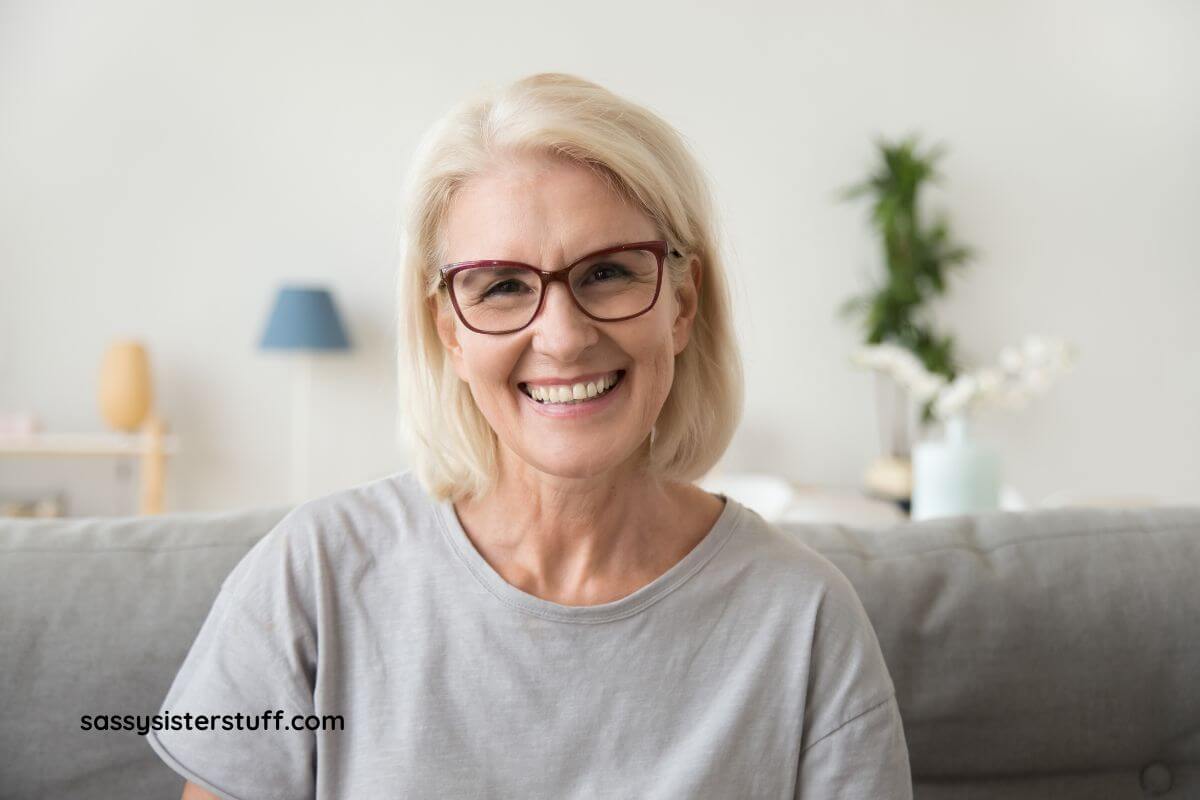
(687, 298)
(444, 318)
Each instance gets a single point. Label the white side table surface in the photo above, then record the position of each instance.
(779, 499)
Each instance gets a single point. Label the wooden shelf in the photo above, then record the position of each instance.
(151, 445)
(84, 444)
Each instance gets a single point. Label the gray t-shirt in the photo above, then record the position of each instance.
(747, 670)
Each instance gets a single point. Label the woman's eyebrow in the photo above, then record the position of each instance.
(611, 243)
(582, 254)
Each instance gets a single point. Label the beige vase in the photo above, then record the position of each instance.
(126, 393)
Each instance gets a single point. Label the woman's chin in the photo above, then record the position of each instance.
(573, 463)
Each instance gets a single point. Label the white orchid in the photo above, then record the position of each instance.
(903, 366)
(1023, 372)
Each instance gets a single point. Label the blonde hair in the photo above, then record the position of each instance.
(456, 451)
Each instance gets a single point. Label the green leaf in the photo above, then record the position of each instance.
(917, 256)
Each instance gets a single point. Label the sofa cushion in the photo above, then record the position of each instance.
(96, 615)
(1040, 654)
(1051, 653)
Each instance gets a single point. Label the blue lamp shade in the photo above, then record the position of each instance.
(304, 319)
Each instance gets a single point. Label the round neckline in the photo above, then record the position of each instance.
(630, 604)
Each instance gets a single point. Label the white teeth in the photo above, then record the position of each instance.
(575, 393)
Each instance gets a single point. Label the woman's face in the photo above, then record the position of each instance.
(548, 213)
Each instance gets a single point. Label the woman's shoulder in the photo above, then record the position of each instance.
(785, 572)
(380, 509)
(781, 557)
(819, 600)
(338, 530)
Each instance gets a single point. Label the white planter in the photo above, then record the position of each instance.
(955, 475)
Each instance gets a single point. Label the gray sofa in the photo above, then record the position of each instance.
(1040, 654)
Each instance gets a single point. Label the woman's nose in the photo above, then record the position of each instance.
(561, 324)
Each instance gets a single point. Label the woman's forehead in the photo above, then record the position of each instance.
(539, 213)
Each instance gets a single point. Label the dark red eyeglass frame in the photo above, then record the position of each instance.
(658, 247)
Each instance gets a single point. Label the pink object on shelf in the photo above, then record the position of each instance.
(19, 423)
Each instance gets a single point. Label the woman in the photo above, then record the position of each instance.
(546, 606)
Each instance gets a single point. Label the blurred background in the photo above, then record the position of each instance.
(166, 168)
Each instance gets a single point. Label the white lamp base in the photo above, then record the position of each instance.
(301, 392)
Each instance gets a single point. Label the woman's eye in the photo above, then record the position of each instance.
(606, 271)
(495, 289)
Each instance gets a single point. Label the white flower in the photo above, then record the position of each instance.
(1022, 372)
(1011, 359)
(903, 366)
(990, 380)
(1036, 350)
(927, 387)
(1038, 380)
(956, 398)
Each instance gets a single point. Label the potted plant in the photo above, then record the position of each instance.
(958, 475)
(918, 257)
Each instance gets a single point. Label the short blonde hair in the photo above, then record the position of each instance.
(456, 451)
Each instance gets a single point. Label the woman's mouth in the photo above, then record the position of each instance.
(573, 394)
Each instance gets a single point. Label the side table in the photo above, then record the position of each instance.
(152, 446)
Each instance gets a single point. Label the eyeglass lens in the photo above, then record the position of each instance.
(501, 298)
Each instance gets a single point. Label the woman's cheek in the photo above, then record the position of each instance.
(658, 386)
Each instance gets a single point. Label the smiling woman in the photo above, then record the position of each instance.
(544, 174)
(546, 606)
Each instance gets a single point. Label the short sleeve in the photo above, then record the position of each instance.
(853, 744)
(249, 672)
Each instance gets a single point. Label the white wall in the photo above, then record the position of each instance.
(165, 165)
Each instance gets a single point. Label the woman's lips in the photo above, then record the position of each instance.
(584, 379)
(585, 408)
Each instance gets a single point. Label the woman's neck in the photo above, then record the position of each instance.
(585, 542)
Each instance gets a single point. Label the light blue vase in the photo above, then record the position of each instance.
(954, 476)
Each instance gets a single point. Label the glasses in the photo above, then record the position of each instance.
(609, 285)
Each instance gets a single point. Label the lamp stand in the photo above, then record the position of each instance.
(301, 393)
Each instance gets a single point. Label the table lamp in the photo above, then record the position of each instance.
(304, 320)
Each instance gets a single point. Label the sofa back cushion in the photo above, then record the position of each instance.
(1041, 654)
(96, 615)
(1050, 653)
